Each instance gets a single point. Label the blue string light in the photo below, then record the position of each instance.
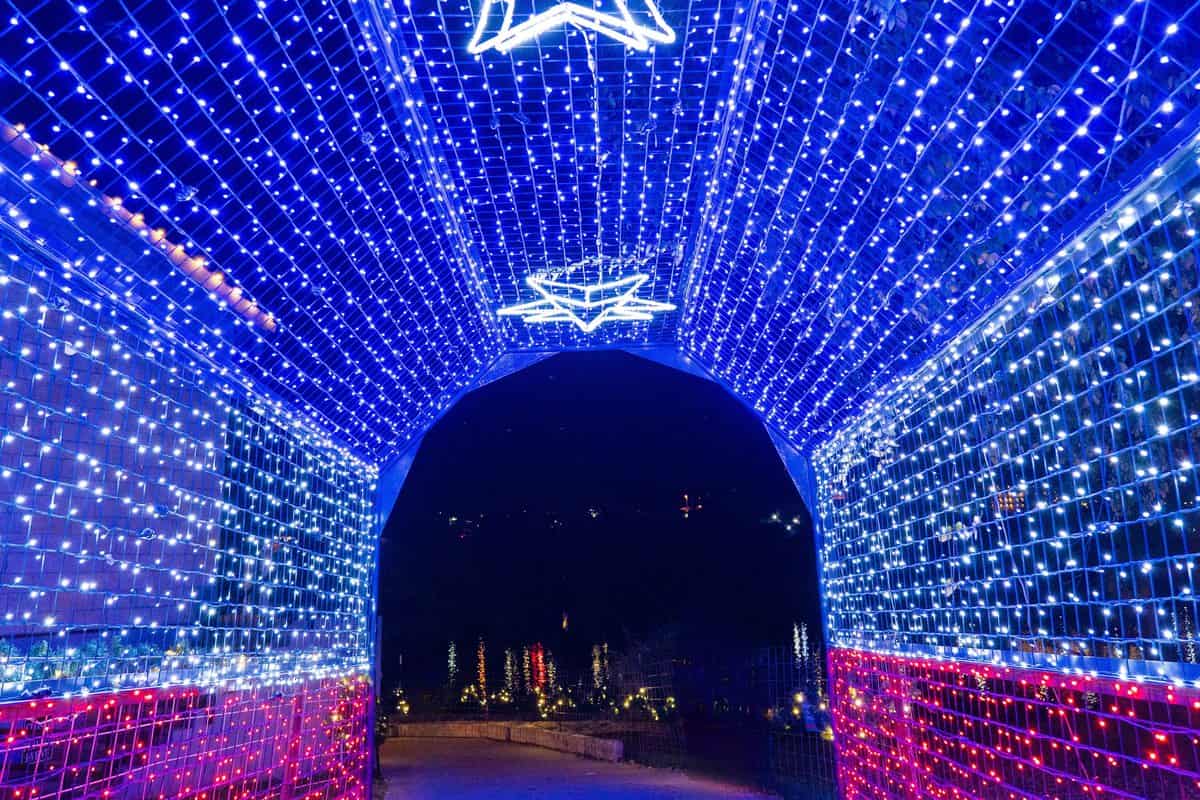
(1028, 496)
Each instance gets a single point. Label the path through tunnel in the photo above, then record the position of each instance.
(632, 530)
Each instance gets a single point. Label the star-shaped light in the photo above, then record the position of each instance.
(618, 22)
(587, 306)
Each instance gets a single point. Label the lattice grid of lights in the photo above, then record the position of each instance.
(300, 740)
(333, 200)
(894, 168)
(157, 512)
(572, 157)
(162, 530)
(827, 191)
(1029, 496)
(265, 137)
(929, 728)
(1028, 500)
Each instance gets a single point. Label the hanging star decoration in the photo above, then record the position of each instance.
(612, 18)
(587, 306)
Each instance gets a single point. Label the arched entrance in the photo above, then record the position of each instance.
(628, 529)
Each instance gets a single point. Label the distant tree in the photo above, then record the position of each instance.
(481, 659)
(510, 674)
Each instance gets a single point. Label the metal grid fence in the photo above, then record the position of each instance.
(184, 572)
(1027, 501)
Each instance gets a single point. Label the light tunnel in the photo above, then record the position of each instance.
(946, 250)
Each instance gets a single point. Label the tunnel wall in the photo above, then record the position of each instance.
(185, 570)
(1010, 535)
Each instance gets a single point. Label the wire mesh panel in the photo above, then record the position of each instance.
(895, 168)
(919, 727)
(185, 573)
(305, 740)
(643, 683)
(238, 141)
(800, 758)
(1025, 507)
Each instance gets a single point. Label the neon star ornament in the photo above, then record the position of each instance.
(501, 27)
(587, 306)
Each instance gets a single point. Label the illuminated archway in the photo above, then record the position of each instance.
(948, 254)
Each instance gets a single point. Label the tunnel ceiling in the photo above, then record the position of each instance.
(804, 197)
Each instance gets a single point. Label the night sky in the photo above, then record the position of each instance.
(565, 482)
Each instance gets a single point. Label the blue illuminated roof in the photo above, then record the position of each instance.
(819, 194)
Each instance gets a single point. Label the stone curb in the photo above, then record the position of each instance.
(574, 743)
